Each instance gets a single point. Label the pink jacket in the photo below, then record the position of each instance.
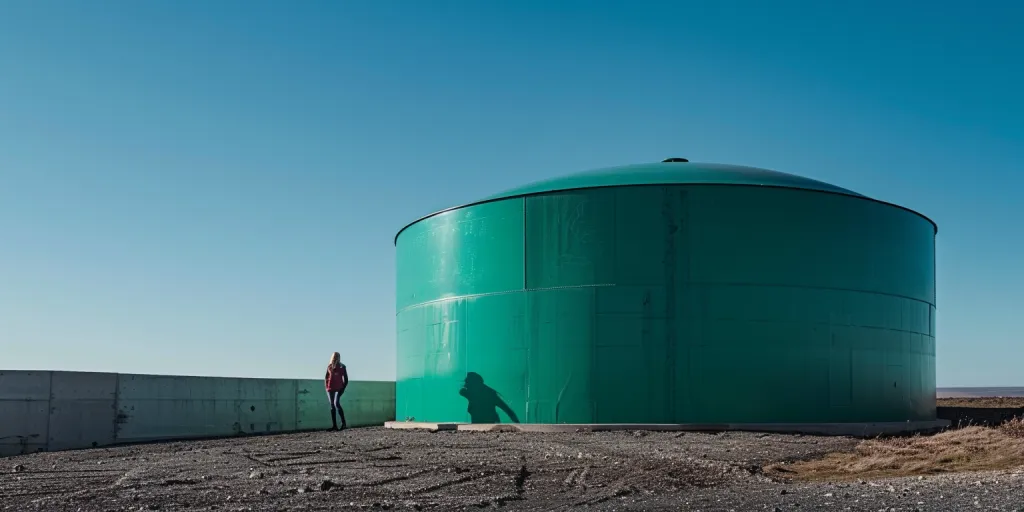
(336, 378)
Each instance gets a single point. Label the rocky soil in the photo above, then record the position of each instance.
(377, 469)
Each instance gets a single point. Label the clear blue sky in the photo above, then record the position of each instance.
(212, 187)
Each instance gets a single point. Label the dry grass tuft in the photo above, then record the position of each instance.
(1014, 428)
(986, 402)
(967, 449)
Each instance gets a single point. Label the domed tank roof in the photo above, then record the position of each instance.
(671, 171)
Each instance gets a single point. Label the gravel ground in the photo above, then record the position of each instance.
(379, 469)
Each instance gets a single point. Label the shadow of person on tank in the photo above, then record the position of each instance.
(484, 401)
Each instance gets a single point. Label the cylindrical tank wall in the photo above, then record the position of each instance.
(668, 304)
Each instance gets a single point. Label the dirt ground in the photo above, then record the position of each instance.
(378, 469)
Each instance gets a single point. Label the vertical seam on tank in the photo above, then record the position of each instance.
(465, 345)
(593, 355)
(615, 238)
(685, 318)
(526, 333)
(668, 262)
(525, 254)
(615, 280)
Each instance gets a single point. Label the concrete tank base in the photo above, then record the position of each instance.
(828, 429)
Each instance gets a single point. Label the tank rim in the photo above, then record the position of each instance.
(935, 226)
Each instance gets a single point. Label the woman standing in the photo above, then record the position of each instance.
(336, 381)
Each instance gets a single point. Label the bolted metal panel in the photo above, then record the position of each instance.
(668, 303)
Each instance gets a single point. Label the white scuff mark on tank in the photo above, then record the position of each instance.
(574, 237)
(561, 394)
(445, 343)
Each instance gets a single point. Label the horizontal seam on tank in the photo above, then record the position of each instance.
(808, 287)
(488, 294)
(935, 227)
(688, 283)
(820, 322)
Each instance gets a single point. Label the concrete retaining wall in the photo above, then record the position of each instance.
(47, 411)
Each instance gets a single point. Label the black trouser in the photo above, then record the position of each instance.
(335, 398)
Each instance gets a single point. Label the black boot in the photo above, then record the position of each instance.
(341, 412)
(334, 419)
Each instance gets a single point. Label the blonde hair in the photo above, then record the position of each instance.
(335, 360)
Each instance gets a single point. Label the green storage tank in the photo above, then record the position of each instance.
(671, 292)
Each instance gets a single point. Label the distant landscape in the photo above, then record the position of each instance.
(979, 392)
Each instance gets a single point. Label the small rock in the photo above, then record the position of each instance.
(255, 475)
(783, 492)
(326, 485)
(19, 468)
